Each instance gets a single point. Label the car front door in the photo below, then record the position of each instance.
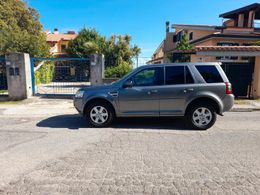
(179, 87)
(140, 97)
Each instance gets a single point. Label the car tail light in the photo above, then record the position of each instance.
(228, 88)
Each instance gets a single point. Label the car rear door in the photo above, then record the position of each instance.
(142, 99)
(179, 87)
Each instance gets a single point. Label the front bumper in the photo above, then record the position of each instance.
(79, 105)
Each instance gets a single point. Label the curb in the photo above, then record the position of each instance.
(244, 109)
(241, 110)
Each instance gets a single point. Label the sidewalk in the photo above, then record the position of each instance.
(246, 106)
(51, 104)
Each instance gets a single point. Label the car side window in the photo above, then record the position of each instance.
(148, 77)
(174, 75)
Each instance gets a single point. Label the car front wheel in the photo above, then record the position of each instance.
(202, 116)
(99, 114)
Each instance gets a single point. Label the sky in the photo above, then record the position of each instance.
(144, 20)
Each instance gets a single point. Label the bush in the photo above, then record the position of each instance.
(45, 74)
(118, 71)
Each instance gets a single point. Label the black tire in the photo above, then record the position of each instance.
(191, 112)
(110, 112)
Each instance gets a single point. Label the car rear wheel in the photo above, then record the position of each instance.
(202, 116)
(100, 114)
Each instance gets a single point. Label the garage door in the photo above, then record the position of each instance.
(240, 75)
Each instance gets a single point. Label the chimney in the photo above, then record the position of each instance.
(71, 32)
(56, 31)
(167, 26)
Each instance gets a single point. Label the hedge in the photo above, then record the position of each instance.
(45, 73)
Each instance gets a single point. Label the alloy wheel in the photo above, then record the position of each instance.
(99, 114)
(201, 117)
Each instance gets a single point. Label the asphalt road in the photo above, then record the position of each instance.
(46, 148)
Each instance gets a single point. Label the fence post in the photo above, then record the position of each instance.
(32, 76)
(19, 76)
(97, 69)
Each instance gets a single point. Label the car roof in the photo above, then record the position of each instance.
(182, 64)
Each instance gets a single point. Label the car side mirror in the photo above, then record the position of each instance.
(128, 84)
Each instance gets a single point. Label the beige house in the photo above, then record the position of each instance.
(59, 41)
(231, 43)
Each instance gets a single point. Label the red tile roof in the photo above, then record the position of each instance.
(184, 51)
(59, 37)
(228, 48)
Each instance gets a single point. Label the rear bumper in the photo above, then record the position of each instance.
(228, 102)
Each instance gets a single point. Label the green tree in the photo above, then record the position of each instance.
(20, 29)
(183, 45)
(117, 49)
(88, 41)
(118, 71)
(257, 43)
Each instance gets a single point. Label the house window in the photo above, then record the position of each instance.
(227, 57)
(248, 44)
(175, 38)
(63, 48)
(180, 35)
(191, 36)
(245, 58)
(227, 44)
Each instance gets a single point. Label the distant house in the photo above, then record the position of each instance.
(66, 70)
(232, 43)
(59, 41)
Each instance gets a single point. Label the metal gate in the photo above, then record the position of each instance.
(59, 76)
(3, 79)
(241, 77)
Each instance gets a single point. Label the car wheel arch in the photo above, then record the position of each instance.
(208, 99)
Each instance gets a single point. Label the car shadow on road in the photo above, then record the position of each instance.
(75, 122)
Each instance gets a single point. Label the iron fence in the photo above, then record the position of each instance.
(60, 76)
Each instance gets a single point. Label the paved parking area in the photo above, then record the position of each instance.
(68, 88)
(46, 148)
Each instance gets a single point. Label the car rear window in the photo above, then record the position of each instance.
(210, 74)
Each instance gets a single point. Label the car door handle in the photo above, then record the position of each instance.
(188, 90)
(152, 91)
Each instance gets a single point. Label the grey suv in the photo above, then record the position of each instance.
(198, 91)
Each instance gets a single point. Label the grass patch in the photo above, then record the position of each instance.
(241, 102)
(3, 91)
(9, 102)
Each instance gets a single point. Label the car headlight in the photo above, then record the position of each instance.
(79, 94)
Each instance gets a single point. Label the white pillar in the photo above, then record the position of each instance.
(18, 71)
(97, 69)
(256, 82)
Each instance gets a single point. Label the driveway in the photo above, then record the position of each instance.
(46, 148)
